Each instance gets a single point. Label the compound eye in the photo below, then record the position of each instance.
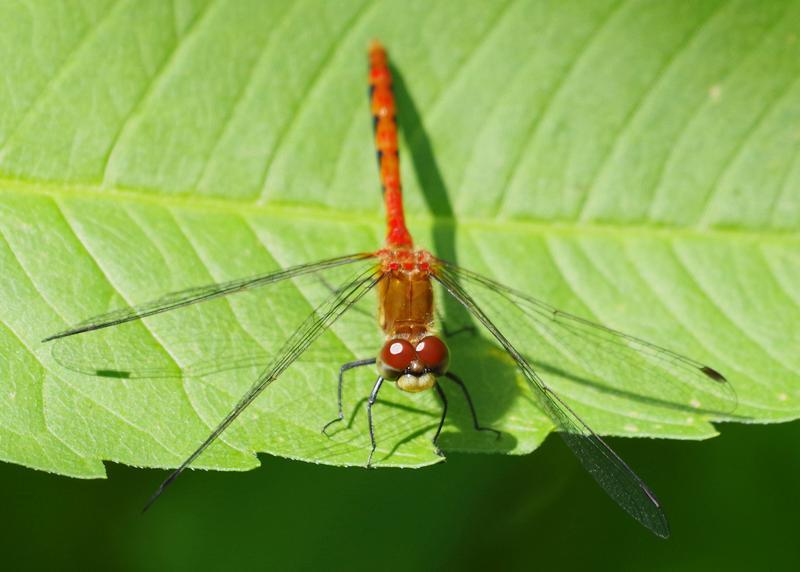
(434, 354)
(395, 357)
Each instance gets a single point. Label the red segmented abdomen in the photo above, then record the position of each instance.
(385, 125)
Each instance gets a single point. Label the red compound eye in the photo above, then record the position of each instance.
(434, 354)
(395, 357)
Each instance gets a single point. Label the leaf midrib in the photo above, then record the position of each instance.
(282, 209)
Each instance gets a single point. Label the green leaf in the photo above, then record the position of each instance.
(636, 163)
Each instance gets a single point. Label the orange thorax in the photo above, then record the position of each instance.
(405, 294)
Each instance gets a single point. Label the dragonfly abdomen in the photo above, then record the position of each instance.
(384, 122)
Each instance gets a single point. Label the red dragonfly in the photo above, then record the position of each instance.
(414, 358)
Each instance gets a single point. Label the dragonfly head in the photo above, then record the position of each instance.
(413, 366)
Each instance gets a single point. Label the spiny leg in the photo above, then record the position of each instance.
(443, 397)
(373, 397)
(344, 368)
(454, 378)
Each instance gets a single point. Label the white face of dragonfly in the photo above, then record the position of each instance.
(413, 366)
(415, 384)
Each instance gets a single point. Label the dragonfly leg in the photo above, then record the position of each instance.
(344, 368)
(373, 397)
(478, 427)
(443, 397)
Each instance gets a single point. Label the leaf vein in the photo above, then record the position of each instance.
(140, 106)
(585, 398)
(558, 87)
(792, 295)
(464, 62)
(712, 302)
(84, 40)
(244, 90)
(320, 72)
(741, 145)
(633, 113)
(665, 163)
(97, 265)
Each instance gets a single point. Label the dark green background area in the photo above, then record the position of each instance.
(733, 504)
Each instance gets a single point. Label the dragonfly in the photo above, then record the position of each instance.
(414, 356)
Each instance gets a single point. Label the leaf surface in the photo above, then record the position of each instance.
(634, 163)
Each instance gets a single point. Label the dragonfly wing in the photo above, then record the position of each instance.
(308, 331)
(180, 337)
(200, 294)
(606, 467)
(610, 361)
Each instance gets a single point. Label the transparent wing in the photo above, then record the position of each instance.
(308, 331)
(604, 360)
(608, 469)
(179, 337)
(200, 294)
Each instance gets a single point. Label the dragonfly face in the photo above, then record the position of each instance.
(413, 366)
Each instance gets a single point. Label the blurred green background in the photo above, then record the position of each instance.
(733, 503)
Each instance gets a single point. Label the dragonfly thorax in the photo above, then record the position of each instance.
(405, 294)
